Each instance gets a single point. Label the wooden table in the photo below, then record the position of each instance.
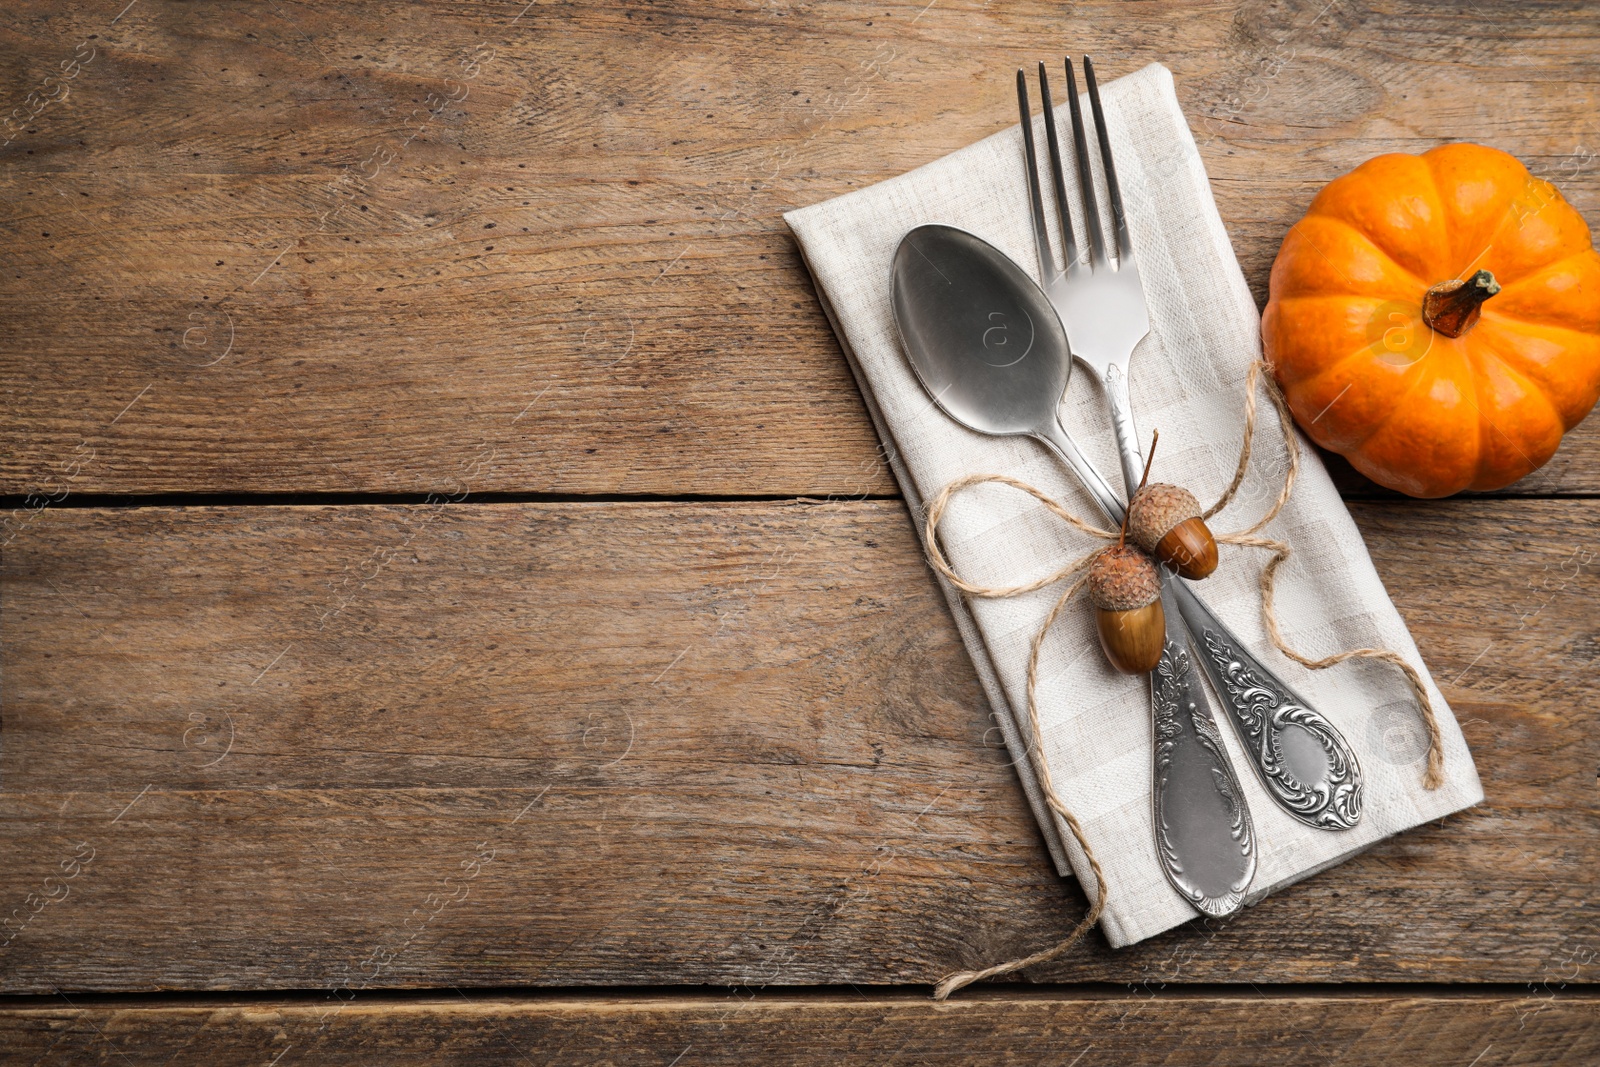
(454, 609)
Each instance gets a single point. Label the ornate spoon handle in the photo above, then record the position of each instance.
(1300, 756)
(1204, 835)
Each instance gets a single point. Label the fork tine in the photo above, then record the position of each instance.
(1069, 240)
(1118, 219)
(1091, 211)
(1041, 236)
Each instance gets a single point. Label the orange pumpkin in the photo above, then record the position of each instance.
(1436, 320)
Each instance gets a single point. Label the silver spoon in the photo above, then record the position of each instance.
(989, 349)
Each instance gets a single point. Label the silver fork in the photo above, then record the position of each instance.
(1299, 756)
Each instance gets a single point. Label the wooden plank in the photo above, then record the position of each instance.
(726, 743)
(248, 252)
(1291, 1028)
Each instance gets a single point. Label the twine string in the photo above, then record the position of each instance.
(1433, 777)
(1246, 538)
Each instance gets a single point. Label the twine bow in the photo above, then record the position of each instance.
(1432, 778)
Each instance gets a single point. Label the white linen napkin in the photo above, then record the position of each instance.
(1187, 380)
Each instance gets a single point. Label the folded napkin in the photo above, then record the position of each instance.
(1187, 379)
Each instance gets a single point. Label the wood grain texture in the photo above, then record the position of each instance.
(728, 743)
(1085, 1029)
(246, 250)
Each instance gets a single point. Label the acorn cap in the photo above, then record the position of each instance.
(1156, 509)
(1123, 578)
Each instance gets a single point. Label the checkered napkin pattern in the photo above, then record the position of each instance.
(1187, 380)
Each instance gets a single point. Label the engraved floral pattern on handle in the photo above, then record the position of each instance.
(1177, 714)
(1263, 711)
(1121, 406)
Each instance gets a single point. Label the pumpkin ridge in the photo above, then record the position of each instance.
(1384, 252)
(1563, 251)
(1506, 316)
(1430, 161)
(1504, 320)
(1504, 276)
(1472, 372)
(1513, 362)
(1388, 200)
(1487, 424)
(1533, 275)
(1399, 401)
(1340, 300)
(1345, 298)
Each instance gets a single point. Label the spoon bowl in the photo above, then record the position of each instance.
(988, 346)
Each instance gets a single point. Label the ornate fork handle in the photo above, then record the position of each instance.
(1299, 755)
(1114, 385)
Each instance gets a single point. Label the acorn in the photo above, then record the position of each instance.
(1165, 521)
(1126, 590)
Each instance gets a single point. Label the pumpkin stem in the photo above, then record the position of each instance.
(1452, 307)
